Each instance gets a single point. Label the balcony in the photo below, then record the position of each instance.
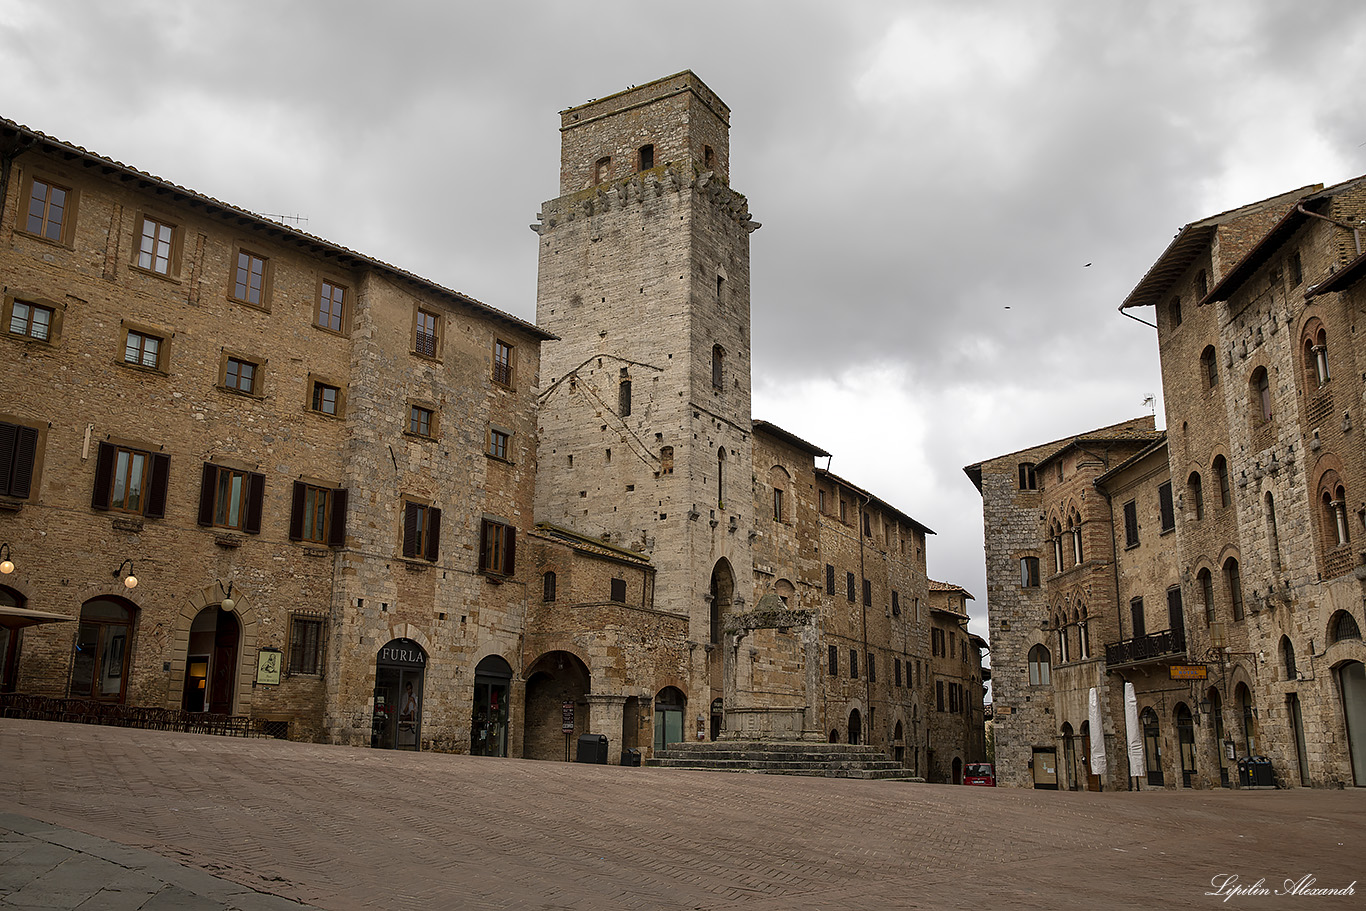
(1165, 647)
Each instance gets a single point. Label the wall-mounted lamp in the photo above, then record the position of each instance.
(227, 603)
(130, 581)
(6, 561)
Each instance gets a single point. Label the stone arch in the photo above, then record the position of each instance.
(786, 591)
(555, 677)
(1343, 628)
(247, 618)
(722, 594)
(1313, 353)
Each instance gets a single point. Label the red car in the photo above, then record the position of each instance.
(980, 773)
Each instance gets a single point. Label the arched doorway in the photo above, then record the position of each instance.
(717, 717)
(1152, 746)
(103, 649)
(670, 704)
(722, 592)
(211, 662)
(1242, 697)
(489, 720)
(1216, 710)
(1185, 740)
(556, 706)
(400, 671)
(957, 770)
(1069, 757)
(855, 727)
(899, 749)
(834, 735)
(1352, 690)
(1092, 781)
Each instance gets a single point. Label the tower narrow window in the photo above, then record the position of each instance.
(647, 157)
(718, 356)
(1209, 364)
(602, 169)
(624, 398)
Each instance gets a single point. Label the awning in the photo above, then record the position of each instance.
(18, 617)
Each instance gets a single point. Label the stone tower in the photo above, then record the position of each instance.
(645, 433)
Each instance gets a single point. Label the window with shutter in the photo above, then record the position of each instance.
(497, 550)
(231, 498)
(18, 455)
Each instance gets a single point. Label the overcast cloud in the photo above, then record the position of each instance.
(933, 178)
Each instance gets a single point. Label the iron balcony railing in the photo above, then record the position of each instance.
(1170, 643)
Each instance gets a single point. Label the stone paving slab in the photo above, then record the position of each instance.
(48, 867)
(341, 828)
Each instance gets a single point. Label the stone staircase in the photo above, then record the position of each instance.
(771, 757)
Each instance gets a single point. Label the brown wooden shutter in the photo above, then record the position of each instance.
(510, 549)
(9, 437)
(206, 493)
(433, 533)
(25, 453)
(156, 491)
(411, 515)
(296, 512)
(256, 492)
(104, 477)
(484, 546)
(336, 532)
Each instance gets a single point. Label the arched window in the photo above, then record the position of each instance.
(1195, 492)
(104, 642)
(1174, 311)
(1083, 634)
(1206, 581)
(780, 480)
(1039, 666)
(548, 587)
(1060, 624)
(1259, 389)
(1221, 472)
(1233, 579)
(666, 460)
(1316, 357)
(1055, 532)
(1288, 658)
(718, 356)
(1343, 626)
(1209, 366)
(1075, 524)
(1335, 516)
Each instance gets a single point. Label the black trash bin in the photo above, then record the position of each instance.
(1260, 772)
(1245, 772)
(592, 748)
(630, 757)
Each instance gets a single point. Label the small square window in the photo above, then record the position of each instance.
(47, 205)
(426, 333)
(326, 399)
(331, 306)
(240, 375)
(158, 246)
(250, 279)
(498, 444)
(142, 350)
(420, 421)
(31, 320)
(502, 363)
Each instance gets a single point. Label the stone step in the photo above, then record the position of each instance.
(765, 764)
(768, 756)
(810, 758)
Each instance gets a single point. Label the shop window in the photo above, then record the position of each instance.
(318, 514)
(103, 648)
(131, 480)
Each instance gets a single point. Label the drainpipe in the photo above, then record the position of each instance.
(1356, 231)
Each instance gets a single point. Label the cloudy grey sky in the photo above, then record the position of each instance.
(933, 177)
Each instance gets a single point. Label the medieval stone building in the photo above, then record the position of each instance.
(372, 510)
(1237, 598)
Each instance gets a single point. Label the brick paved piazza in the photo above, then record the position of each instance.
(344, 828)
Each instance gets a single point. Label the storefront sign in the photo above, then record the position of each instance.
(404, 653)
(268, 661)
(1189, 672)
(567, 723)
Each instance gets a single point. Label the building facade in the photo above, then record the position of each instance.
(1237, 600)
(372, 510)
